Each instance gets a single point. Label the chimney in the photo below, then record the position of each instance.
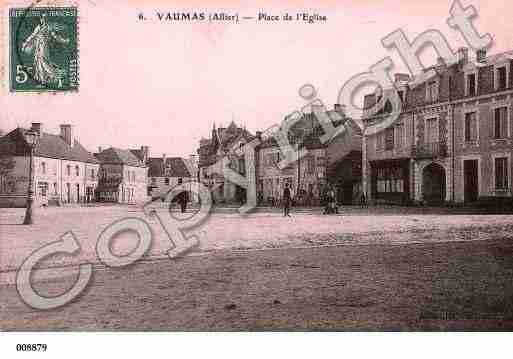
(99, 149)
(67, 134)
(259, 135)
(481, 55)
(401, 77)
(145, 152)
(462, 55)
(37, 127)
(440, 61)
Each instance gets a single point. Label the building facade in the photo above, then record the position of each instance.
(335, 163)
(122, 177)
(306, 177)
(164, 173)
(64, 171)
(451, 141)
(225, 144)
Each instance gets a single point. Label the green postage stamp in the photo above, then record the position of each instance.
(43, 49)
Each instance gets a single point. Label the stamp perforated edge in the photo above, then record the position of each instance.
(6, 49)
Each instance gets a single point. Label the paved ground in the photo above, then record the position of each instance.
(378, 268)
(394, 225)
(439, 286)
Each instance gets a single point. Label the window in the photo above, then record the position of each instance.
(432, 91)
(272, 159)
(470, 127)
(42, 188)
(399, 135)
(501, 122)
(166, 181)
(432, 130)
(180, 180)
(310, 164)
(153, 180)
(380, 141)
(389, 139)
(390, 180)
(55, 188)
(388, 107)
(501, 173)
(43, 168)
(471, 84)
(77, 171)
(68, 170)
(242, 166)
(501, 78)
(92, 174)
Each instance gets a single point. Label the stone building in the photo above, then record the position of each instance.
(452, 139)
(225, 143)
(164, 173)
(64, 171)
(122, 177)
(336, 163)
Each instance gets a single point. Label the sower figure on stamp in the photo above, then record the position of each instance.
(38, 43)
(286, 200)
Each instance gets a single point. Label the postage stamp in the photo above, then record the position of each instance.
(43, 49)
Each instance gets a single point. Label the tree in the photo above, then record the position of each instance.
(7, 164)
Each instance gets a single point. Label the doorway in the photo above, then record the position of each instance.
(471, 180)
(433, 184)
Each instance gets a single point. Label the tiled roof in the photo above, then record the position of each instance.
(119, 156)
(310, 130)
(51, 146)
(138, 153)
(175, 167)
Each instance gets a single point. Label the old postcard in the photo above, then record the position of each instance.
(282, 166)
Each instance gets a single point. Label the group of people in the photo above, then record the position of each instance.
(330, 206)
(330, 201)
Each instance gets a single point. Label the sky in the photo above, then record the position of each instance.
(164, 84)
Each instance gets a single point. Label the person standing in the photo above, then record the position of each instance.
(183, 201)
(286, 201)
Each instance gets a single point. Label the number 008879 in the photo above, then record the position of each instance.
(31, 347)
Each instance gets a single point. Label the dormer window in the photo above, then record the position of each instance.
(432, 91)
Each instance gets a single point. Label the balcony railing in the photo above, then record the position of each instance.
(430, 150)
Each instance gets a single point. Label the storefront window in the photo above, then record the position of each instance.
(390, 180)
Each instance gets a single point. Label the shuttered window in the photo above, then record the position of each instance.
(470, 127)
(501, 122)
